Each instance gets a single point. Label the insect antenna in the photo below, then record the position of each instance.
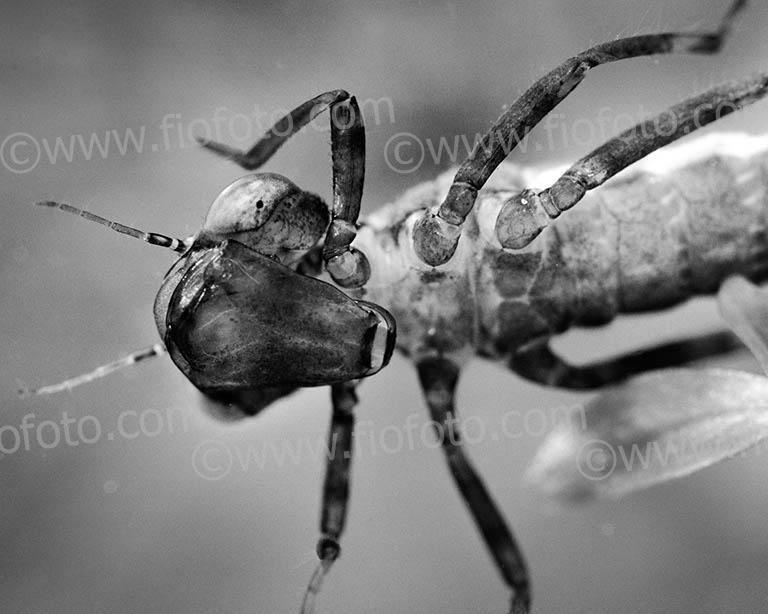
(99, 372)
(153, 238)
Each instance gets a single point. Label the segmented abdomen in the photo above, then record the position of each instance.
(672, 228)
(679, 233)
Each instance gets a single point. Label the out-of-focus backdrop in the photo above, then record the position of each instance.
(144, 519)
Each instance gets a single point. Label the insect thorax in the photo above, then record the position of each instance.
(674, 226)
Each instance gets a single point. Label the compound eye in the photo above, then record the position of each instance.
(380, 338)
(248, 203)
(268, 213)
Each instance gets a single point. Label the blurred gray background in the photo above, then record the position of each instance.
(127, 525)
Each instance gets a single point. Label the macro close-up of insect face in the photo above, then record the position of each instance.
(235, 321)
(562, 308)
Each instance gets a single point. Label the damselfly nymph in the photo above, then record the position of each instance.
(279, 290)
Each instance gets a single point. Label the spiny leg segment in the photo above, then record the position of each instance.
(436, 235)
(438, 377)
(540, 364)
(336, 487)
(525, 215)
(348, 266)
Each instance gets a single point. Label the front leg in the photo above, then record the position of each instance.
(438, 377)
(278, 134)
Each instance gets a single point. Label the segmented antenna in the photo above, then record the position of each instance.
(154, 350)
(152, 238)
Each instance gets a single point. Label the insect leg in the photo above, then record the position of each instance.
(526, 214)
(436, 234)
(336, 487)
(278, 134)
(540, 364)
(438, 378)
(348, 266)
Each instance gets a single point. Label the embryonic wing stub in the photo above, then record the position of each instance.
(656, 427)
(665, 424)
(744, 306)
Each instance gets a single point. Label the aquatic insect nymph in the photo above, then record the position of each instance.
(245, 318)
